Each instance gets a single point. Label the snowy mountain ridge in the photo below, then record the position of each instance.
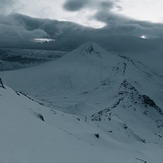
(70, 71)
(117, 99)
(31, 132)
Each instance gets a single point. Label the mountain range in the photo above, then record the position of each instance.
(101, 106)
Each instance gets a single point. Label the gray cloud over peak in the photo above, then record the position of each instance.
(14, 34)
(75, 5)
(107, 4)
(121, 34)
(126, 26)
(116, 23)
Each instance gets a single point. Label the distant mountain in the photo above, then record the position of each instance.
(115, 97)
(88, 80)
(22, 58)
(86, 69)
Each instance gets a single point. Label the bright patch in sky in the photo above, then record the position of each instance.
(143, 37)
(84, 17)
(42, 40)
(92, 23)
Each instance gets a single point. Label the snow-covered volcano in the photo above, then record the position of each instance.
(116, 96)
(88, 70)
(81, 70)
(88, 80)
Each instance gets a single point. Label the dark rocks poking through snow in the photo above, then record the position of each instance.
(1, 83)
(149, 102)
(97, 135)
(40, 116)
(129, 92)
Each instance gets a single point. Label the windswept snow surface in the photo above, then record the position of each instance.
(95, 92)
(60, 137)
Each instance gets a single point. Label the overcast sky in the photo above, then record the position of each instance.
(123, 25)
(80, 11)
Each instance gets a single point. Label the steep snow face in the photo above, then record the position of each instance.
(135, 111)
(33, 133)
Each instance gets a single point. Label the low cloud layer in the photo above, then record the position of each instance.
(121, 34)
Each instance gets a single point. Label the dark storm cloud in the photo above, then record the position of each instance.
(124, 34)
(75, 5)
(121, 34)
(122, 25)
(18, 30)
(13, 33)
(117, 24)
(107, 5)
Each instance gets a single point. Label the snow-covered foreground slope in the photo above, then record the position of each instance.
(114, 96)
(33, 133)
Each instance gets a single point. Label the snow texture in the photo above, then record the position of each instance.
(88, 106)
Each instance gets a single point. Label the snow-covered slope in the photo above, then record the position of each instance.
(33, 133)
(88, 71)
(73, 72)
(121, 96)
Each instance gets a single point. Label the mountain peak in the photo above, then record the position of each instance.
(90, 48)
